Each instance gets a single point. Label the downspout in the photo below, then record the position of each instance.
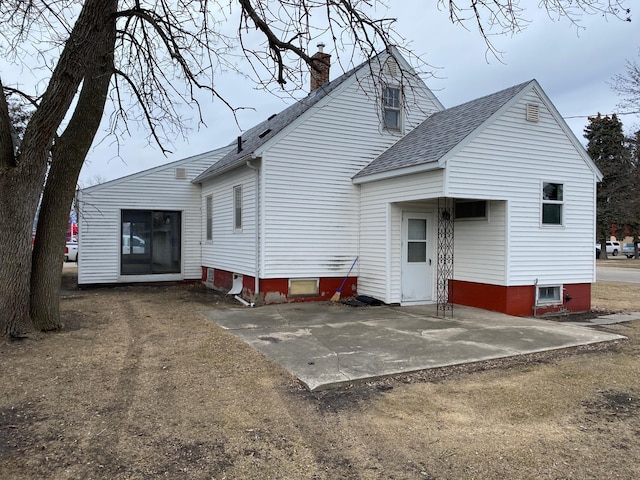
(257, 227)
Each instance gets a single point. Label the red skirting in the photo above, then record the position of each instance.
(276, 290)
(518, 300)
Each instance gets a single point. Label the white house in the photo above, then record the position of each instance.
(468, 205)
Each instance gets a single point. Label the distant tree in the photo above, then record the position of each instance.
(607, 147)
(633, 221)
(627, 85)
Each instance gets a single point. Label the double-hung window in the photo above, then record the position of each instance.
(552, 202)
(237, 208)
(391, 103)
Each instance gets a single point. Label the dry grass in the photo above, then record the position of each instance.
(140, 386)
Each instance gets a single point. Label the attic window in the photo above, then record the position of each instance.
(533, 112)
(391, 107)
(181, 173)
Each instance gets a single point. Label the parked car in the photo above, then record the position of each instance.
(132, 245)
(613, 248)
(71, 252)
(628, 250)
(598, 248)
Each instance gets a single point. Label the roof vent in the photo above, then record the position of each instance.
(391, 67)
(265, 133)
(181, 173)
(533, 112)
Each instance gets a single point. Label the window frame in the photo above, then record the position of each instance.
(208, 200)
(552, 201)
(394, 108)
(554, 299)
(237, 208)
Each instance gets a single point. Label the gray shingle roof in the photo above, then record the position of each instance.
(257, 136)
(438, 134)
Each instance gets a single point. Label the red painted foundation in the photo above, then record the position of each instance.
(518, 301)
(276, 290)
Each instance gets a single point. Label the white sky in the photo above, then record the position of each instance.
(574, 68)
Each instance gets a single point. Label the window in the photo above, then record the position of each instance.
(417, 240)
(237, 208)
(209, 208)
(466, 209)
(151, 242)
(549, 294)
(552, 203)
(391, 107)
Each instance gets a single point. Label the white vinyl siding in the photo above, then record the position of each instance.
(312, 208)
(382, 204)
(232, 249)
(100, 209)
(509, 160)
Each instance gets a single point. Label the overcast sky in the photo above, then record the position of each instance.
(574, 68)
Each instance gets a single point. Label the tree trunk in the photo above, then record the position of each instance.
(18, 202)
(22, 174)
(68, 156)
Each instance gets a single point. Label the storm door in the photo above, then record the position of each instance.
(151, 242)
(417, 271)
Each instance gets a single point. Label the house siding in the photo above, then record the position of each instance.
(311, 206)
(100, 209)
(382, 203)
(230, 250)
(509, 160)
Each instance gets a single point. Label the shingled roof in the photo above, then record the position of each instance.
(257, 136)
(437, 135)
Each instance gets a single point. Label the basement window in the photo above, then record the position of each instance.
(304, 287)
(549, 295)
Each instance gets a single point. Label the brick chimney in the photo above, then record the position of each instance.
(322, 61)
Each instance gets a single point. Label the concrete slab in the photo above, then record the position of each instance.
(325, 344)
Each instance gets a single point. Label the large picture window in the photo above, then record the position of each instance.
(552, 201)
(151, 242)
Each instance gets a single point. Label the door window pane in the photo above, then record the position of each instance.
(417, 229)
(416, 252)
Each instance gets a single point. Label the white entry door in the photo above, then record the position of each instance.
(417, 270)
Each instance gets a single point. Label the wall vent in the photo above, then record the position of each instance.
(181, 173)
(391, 67)
(533, 112)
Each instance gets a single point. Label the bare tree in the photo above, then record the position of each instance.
(627, 85)
(147, 58)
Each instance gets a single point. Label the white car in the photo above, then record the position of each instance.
(132, 244)
(613, 248)
(71, 252)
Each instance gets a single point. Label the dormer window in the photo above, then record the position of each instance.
(391, 107)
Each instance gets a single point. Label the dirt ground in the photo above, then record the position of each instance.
(139, 385)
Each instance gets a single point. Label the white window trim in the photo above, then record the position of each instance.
(208, 207)
(547, 302)
(399, 109)
(552, 202)
(237, 228)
